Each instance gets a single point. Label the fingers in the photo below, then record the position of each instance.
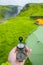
(13, 50)
(12, 55)
(28, 51)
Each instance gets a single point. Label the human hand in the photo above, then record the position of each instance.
(12, 57)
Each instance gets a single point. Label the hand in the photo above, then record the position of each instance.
(12, 57)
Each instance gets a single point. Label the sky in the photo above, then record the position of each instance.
(19, 2)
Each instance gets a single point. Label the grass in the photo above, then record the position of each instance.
(33, 9)
(10, 30)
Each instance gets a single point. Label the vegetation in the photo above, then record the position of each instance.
(32, 9)
(11, 29)
(5, 9)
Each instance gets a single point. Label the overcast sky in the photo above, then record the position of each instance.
(18, 2)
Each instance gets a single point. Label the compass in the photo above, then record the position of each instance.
(21, 53)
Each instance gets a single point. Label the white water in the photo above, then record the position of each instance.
(9, 14)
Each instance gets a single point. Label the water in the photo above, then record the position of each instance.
(12, 12)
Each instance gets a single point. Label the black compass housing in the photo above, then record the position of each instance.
(21, 53)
